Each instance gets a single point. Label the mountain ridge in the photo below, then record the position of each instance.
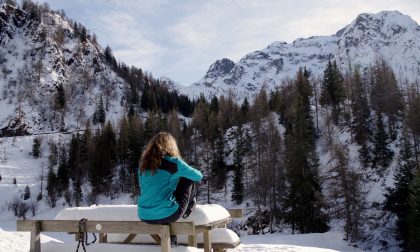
(390, 35)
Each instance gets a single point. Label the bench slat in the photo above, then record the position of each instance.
(122, 227)
(106, 226)
(182, 228)
(235, 213)
(218, 224)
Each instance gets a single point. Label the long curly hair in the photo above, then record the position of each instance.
(162, 144)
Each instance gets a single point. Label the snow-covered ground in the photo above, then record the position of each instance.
(327, 242)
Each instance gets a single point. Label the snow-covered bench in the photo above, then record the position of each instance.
(112, 222)
(92, 226)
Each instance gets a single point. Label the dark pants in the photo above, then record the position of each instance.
(185, 196)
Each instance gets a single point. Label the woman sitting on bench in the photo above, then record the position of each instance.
(166, 183)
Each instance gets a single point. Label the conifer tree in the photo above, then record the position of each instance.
(77, 191)
(85, 149)
(413, 120)
(360, 109)
(397, 198)
(123, 155)
(73, 157)
(62, 172)
(36, 148)
(153, 104)
(304, 200)
(238, 184)
(52, 159)
(360, 124)
(94, 40)
(51, 187)
(95, 175)
(27, 193)
(382, 155)
(274, 101)
(83, 34)
(185, 106)
(145, 96)
(122, 143)
(108, 54)
(218, 164)
(60, 97)
(103, 160)
(332, 89)
(385, 94)
(99, 115)
(214, 105)
(79, 157)
(244, 111)
(414, 214)
(238, 166)
(136, 143)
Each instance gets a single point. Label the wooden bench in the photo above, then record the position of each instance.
(121, 227)
(159, 233)
(218, 227)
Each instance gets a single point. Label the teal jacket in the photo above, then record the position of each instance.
(156, 200)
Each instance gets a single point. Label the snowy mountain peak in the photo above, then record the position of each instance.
(220, 68)
(384, 24)
(390, 35)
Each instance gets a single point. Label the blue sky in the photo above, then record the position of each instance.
(181, 39)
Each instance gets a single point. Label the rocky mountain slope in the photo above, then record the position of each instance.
(389, 35)
(40, 51)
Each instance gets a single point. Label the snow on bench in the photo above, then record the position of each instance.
(202, 215)
(218, 236)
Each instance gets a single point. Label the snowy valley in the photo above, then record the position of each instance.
(267, 132)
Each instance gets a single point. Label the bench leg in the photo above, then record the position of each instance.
(103, 238)
(192, 240)
(156, 238)
(35, 237)
(207, 242)
(129, 238)
(165, 238)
